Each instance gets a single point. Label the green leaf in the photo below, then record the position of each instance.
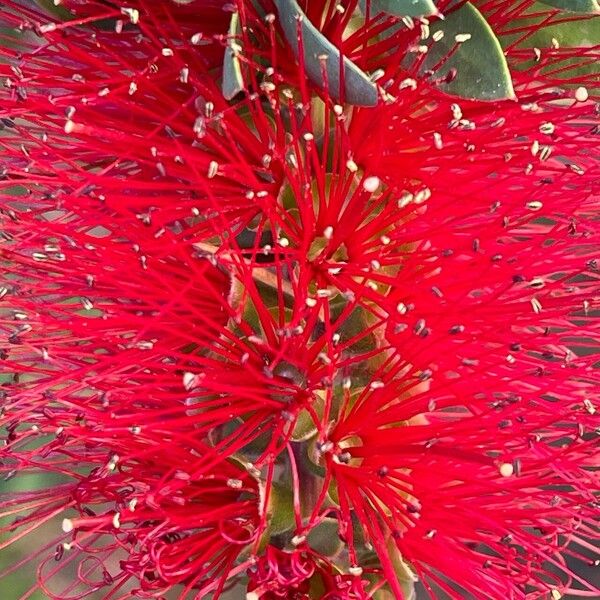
(332, 493)
(55, 10)
(404, 573)
(61, 14)
(324, 537)
(19, 40)
(305, 427)
(581, 32)
(481, 69)
(573, 33)
(233, 81)
(358, 88)
(580, 6)
(400, 8)
(281, 510)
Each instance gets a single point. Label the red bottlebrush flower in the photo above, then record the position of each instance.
(298, 575)
(253, 335)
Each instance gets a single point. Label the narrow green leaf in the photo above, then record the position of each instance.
(579, 6)
(474, 52)
(233, 81)
(400, 8)
(358, 88)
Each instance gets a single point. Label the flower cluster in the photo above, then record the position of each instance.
(262, 331)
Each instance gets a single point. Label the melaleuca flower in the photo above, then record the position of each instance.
(299, 575)
(298, 299)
